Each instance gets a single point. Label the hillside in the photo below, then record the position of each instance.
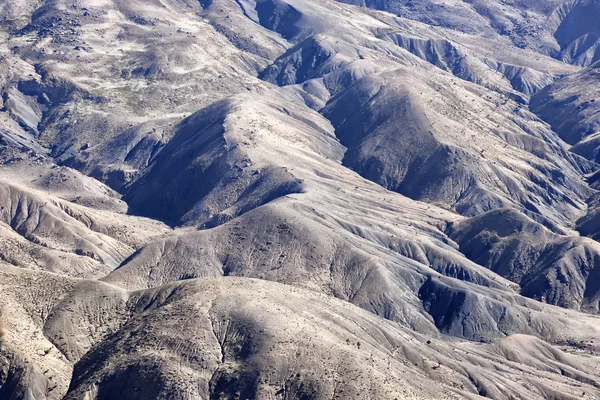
(284, 199)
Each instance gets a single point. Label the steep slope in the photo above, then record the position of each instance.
(52, 226)
(360, 204)
(42, 175)
(577, 31)
(212, 338)
(41, 231)
(113, 125)
(551, 268)
(571, 106)
(469, 157)
(318, 237)
(101, 125)
(120, 153)
(34, 362)
(338, 80)
(213, 176)
(564, 29)
(284, 240)
(241, 153)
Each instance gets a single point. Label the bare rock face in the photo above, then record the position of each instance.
(283, 199)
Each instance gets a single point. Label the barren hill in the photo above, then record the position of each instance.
(284, 199)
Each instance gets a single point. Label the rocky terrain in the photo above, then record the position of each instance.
(239, 199)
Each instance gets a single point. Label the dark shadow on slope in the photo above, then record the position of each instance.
(459, 312)
(551, 268)
(300, 63)
(278, 16)
(19, 380)
(449, 57)
(200, 179)
(578, 33)
(237, 375)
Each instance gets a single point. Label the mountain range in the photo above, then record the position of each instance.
(299, 199)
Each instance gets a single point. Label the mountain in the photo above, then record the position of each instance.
(297, 199)
(232, 337)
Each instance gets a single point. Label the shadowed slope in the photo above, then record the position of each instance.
(554, 269)
(205, 337)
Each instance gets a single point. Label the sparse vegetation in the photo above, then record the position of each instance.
(299, 199)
